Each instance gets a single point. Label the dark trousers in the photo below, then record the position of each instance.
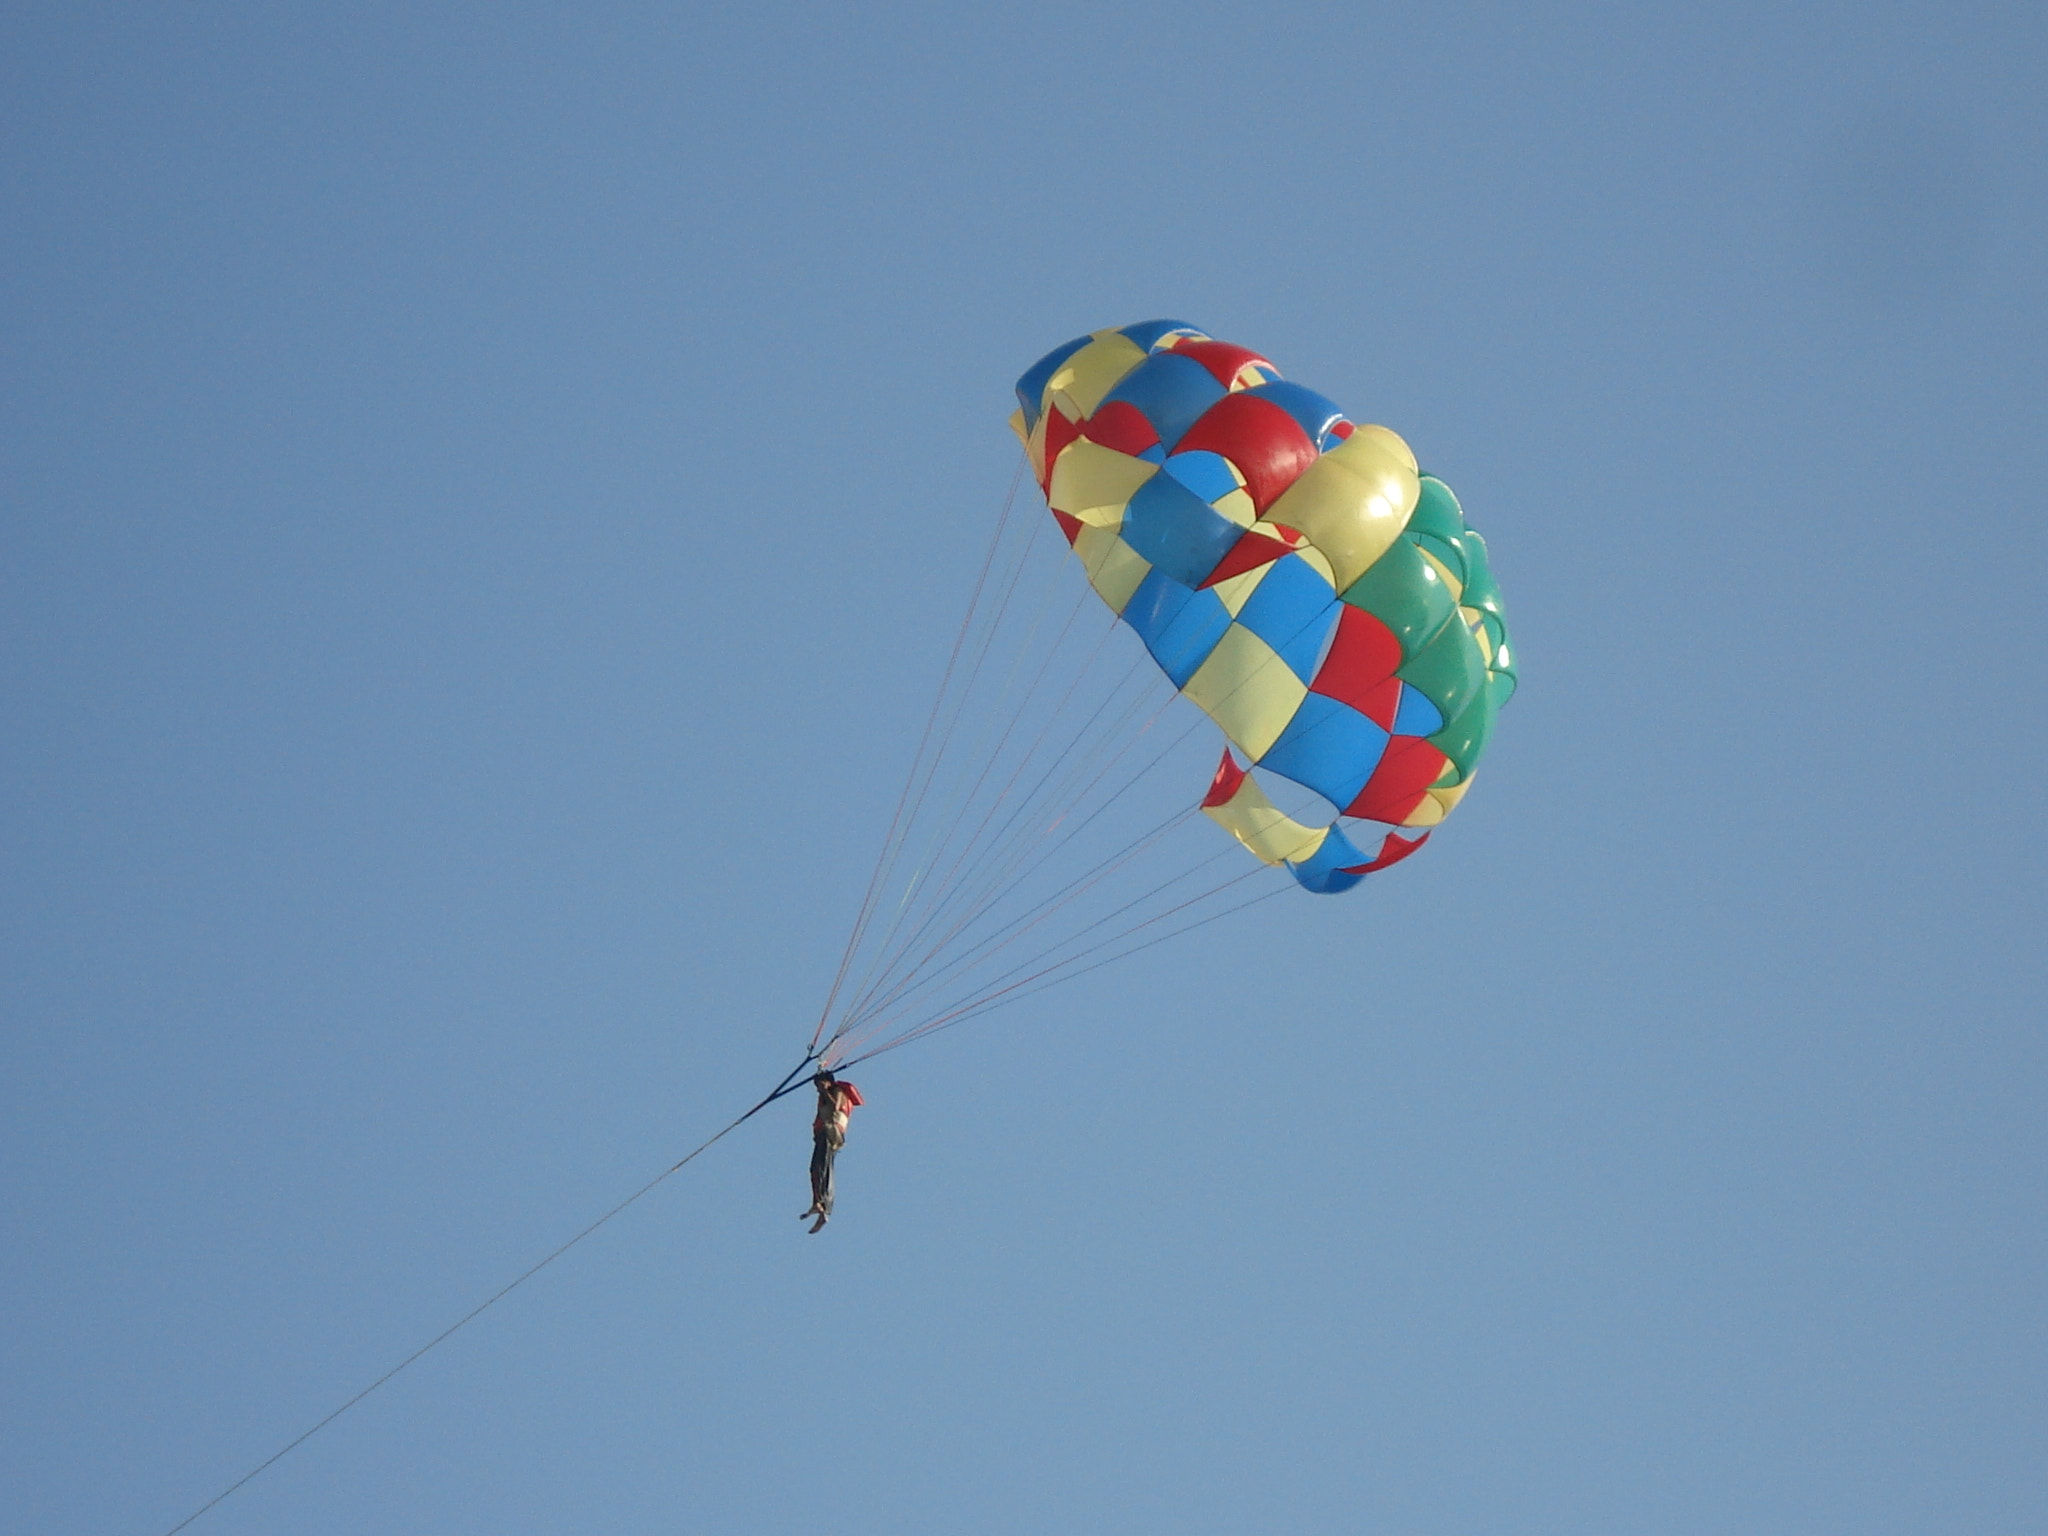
(824, 1148)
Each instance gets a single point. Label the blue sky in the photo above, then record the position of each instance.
(486, 493)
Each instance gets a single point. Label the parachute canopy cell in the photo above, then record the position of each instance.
(1293, 573)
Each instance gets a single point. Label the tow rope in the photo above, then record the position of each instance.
(789, 1084)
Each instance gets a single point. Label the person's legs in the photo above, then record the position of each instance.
(821, 1173)
(821, 1180)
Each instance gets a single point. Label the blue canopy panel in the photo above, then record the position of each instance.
(1323, 871)
(1176, 530)
(1179, 627)
(1148, 334)
(1317, 414)
(1416, 714)
(1294, 610)
(1209, 475)
(1170, 391)
(1031, 387)
(1328, 747)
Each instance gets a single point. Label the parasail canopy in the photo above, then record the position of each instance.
(1292, 573)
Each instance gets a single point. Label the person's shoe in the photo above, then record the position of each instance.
(819, 1224)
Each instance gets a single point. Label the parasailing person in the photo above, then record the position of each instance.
(836, 1102)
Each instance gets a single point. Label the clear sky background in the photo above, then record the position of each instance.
(486, 493)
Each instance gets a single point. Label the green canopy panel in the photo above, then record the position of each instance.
(1404, 592)
(1450, 670)
(1465, 738)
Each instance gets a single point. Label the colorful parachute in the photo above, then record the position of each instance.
(1293, 574)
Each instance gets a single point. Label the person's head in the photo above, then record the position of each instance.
(824, 1079)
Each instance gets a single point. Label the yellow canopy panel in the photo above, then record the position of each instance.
(1240, 807)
